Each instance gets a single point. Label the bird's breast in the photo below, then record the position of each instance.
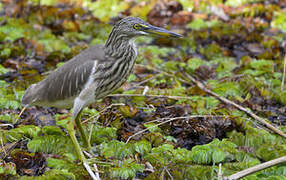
(114, 75)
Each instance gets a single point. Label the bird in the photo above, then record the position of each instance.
(91, 75)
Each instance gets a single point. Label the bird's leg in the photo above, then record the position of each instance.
(85, 140)
(79, 104)
(80, 154)
(71, 132)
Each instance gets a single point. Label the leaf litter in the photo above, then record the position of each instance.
(235, 49)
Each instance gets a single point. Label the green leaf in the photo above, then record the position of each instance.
(226, 88)
(127, 170)
(214, 152)
(131, 77)
(263, 65)
(201, 155)
(53, 174)
(7, 169)
(115, 149)
(199, 24)
(142, 147)
(53, 144)
(161, 155)
(279, 20)
(45, 2)
(218, 156)
(9, 118)
(194, 63)
(3, 70)
(5, 53)
(53, 130)
(236, 3)
(104, 10)
(28, 131)
(187, 5)
(103, 134)
(152, 127)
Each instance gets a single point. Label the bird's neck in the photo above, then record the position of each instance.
(119, 45)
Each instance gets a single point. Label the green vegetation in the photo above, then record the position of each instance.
(239, 57)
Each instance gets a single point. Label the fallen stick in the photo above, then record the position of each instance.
(155, 96)
(163, 72)
(90, 172)
(97, 114)
(256, 168)
(226, 101)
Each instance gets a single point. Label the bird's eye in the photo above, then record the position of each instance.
(137, 26)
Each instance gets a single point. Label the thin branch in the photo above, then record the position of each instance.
(3, 125)
(219, 175)
(146, 80)
(90, 172)
(163, 72)
(3, 148)
(96, 171)
(193, 116)
(226, 101)
(87, 154)
(97, 114)
(155, 96)
(284, 72)
(90, 132)
(168, 172)
(256, 168)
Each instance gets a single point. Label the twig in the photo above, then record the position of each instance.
(283, 77)
(90, 132)
(3, 148)
(168, 120)
(156, 96)
(193, 116)
(94, 165)
(3, 125)
(163, 72)
(96, 171)
(146, 80)
(256, 168)
(90, 172)
(219, 176)
(168, 172)
(146, 89)
(226, 101)
(87, 154)
(88, 119)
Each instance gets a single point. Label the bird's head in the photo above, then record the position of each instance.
(133, 26)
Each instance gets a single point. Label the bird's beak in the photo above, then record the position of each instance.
(160, 31)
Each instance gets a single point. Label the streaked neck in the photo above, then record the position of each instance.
(119, 45)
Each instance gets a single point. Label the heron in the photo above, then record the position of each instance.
(91, 75)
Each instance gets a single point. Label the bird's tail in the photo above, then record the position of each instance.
(29, 96)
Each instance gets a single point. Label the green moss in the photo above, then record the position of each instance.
(104, 10)
(279, 20)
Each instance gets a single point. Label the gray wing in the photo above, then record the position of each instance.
(66, 81)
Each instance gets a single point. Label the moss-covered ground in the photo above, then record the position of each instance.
(235, 47)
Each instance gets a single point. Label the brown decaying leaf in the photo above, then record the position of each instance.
(188, 132)
(31, 164)
(273, 110)
(163, 11)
